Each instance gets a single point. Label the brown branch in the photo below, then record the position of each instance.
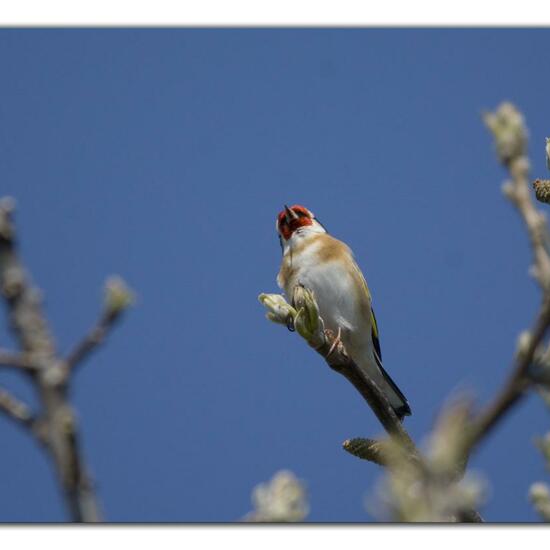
(339, 361)
(58, 422)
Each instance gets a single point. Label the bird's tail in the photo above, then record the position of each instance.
(395, 396)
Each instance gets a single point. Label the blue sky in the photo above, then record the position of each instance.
(164, 156)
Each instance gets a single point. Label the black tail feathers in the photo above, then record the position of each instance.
(401, 410)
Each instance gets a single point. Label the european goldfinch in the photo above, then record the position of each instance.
(325, 265)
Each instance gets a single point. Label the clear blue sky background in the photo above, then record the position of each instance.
(165, 155)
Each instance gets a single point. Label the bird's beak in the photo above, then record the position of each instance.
(290, 214)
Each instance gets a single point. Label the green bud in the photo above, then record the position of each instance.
(306, 321)
(278, 309)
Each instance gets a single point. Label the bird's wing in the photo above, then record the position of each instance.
(374, 325)
(375, 338)
(399, 401)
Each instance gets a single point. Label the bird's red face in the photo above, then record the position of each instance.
(291, 219)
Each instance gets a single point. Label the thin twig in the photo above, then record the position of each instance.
(20, 413)
(518, 191)
(15, 409)
(94, 338)
(515, 386)
(16, 360)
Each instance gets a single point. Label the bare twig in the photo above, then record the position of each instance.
(518, 191)
(94, 338)
(117, 299)
(16, 361)
(58, 428)
(515, 386)
(20, 413)
(15, 409)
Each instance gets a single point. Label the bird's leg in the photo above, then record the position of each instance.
(337, 340)
(290, 323)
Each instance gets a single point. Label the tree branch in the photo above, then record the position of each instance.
(93, 339)
(16, 410)
(339, 361)
(51, 374)
(517, 384)
(17, 361)
(400, 448)
(21, 414)
(510, 133)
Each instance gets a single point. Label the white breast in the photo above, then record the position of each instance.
(332, 285)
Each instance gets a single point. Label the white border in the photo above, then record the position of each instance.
(276, 13)
(268, 537)
(279, 13)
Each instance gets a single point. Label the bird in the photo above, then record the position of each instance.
(325, 265)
